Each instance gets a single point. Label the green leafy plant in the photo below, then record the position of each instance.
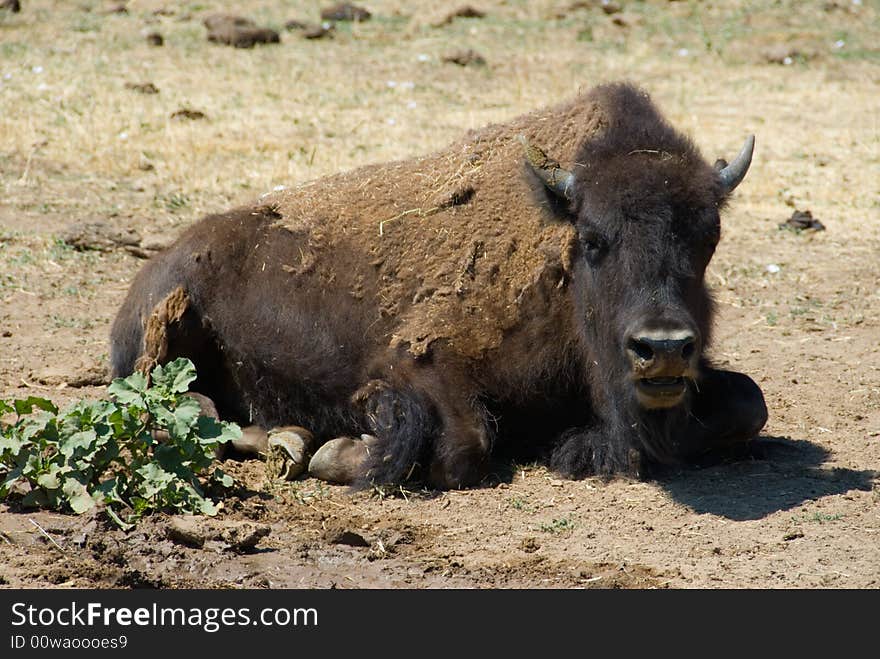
(105, 452)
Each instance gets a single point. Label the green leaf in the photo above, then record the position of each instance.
(184, 417)
(175, 376)
(207, 507)
(212, 431)
(27, 405)
(49, 481)
(130, 390)
(155, 479)
(108, 492)
(5, 408)
(36, 499)
(125, 526)
(11, 445)
(78, 496)
(9, 480)
(82, 441)
(223, 478)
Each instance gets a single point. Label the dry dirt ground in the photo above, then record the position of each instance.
(800, 312)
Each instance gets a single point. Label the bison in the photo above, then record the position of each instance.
(480, 299)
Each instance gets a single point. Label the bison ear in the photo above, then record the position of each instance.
(732, 175)
(558, 180)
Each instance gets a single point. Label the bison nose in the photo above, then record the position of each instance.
(658, 354)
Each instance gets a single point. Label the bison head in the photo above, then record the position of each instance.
(645, 206)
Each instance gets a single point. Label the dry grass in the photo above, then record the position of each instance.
(282, 114)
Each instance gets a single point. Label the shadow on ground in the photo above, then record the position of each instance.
(777, 473)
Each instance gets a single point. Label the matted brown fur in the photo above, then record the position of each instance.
(169, 311)
(443, 230)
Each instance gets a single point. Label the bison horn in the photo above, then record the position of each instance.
(558, 180)
(733, 174)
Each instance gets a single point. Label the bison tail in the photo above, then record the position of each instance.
(405, 426)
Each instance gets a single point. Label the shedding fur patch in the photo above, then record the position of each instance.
(168, 312)
(456, 242)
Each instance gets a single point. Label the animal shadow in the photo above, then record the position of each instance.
(770, 475)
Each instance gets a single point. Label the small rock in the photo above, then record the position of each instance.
(118, 8)
(6, 334)
(186, 530)
(794, 535)
(11, 5)
(345, 11)
(155, 39)
(467, 57)
(142, 87)
(319, 31)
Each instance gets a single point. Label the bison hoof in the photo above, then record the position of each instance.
(341, 460)
(286, 455)
(253, 441)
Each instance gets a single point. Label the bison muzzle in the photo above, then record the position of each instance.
(536, 288)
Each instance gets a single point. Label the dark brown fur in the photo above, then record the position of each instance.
(449, 303)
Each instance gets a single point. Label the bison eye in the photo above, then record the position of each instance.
(592, 242)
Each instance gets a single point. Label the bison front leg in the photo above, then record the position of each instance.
(422, 426)
(595, 450)
(728, 409)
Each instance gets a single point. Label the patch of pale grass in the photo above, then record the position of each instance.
(279, 115)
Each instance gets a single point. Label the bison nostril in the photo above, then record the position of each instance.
(688, 350)
(641, 349)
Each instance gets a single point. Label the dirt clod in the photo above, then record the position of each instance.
(100, 236)
(155, 39)
(11, 5)
(75, 375)
(345, 11)
(802, 221)
(346, 537)
(468, 57)
(529, 545)
(318, 30)
(187, 531)
(188, 114)
(242, 537)
(610, 7)
(784, 54)
(142, 87)
(238, 31)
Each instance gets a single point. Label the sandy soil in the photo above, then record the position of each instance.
(800, 312)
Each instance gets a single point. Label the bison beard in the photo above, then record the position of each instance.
(481, 298)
